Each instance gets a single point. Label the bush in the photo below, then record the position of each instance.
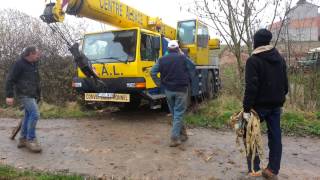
(56, 68)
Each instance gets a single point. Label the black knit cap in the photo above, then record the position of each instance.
(261, 38)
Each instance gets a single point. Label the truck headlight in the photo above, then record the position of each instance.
(139, 85)
(76, 84)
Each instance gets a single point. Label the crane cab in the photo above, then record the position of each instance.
(124, 53)
(193, 36)
(122, 59)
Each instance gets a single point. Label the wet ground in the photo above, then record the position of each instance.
(135, 145)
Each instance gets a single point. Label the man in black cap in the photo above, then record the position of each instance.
(265, 90)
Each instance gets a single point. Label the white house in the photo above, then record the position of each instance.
(303, 23)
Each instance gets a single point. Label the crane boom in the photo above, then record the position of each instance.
(112, 12)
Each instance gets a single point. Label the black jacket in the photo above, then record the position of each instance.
(23, 79)
(266, 80)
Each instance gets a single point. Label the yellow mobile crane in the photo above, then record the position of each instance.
(121, 59)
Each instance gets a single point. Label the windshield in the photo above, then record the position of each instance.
(111, 46)
(186, 32)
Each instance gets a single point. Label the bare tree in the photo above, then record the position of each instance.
(236, 21)
(18, 30)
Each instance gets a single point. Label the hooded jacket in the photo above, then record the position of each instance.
(266, 79)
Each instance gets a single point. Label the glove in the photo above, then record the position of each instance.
(246, 116)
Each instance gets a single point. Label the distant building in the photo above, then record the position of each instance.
(303, 23)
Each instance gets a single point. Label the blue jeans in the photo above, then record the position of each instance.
(31, 116)
(272, 118)
(177, 102)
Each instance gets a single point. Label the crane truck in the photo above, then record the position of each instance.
(121, 59)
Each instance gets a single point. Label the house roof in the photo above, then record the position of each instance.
(301, 2)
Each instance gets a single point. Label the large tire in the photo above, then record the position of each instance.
(210, 87)
(189, 97)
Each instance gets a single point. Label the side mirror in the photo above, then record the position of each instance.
(156, 43)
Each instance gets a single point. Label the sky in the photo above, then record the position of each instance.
(168, 10)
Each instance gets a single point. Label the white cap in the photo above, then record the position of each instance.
(173, 44)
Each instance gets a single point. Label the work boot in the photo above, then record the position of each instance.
(33, 146)
(184, 135)
(268, 174)
(175, 142)
(22, 142)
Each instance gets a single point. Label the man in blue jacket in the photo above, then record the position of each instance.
(175, 70)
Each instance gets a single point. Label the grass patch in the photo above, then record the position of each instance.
(70, 110)
(216, 114)
(9, 173)
(47, 111)
(318, 115)
(300, 123)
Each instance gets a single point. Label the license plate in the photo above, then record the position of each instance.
(108, 97)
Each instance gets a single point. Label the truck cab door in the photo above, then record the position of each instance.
(150, 48)
(202, 44)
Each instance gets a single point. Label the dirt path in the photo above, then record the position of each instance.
(136, 145)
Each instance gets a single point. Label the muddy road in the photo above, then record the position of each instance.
(136, 145)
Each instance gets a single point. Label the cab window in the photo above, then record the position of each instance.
(147, 48)
(186, 32)
(202, 36)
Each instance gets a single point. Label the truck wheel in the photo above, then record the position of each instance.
(189, 97)
(210, 92)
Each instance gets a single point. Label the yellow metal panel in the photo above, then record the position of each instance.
(114, 70)
(145, 71)
(214, 44)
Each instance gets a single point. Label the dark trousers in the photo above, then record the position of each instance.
(272, 118)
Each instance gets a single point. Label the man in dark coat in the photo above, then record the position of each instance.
(265, 92)
(175, 70)
(24, 82)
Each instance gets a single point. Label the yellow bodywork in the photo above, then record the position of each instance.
(125, 17)
(214, 44)
(137, 68)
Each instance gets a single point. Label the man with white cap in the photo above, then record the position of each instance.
(175, 69)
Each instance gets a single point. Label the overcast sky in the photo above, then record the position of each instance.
(168, 10)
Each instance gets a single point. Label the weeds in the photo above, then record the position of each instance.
(47, 111)
(8, 173)
(216, 114)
